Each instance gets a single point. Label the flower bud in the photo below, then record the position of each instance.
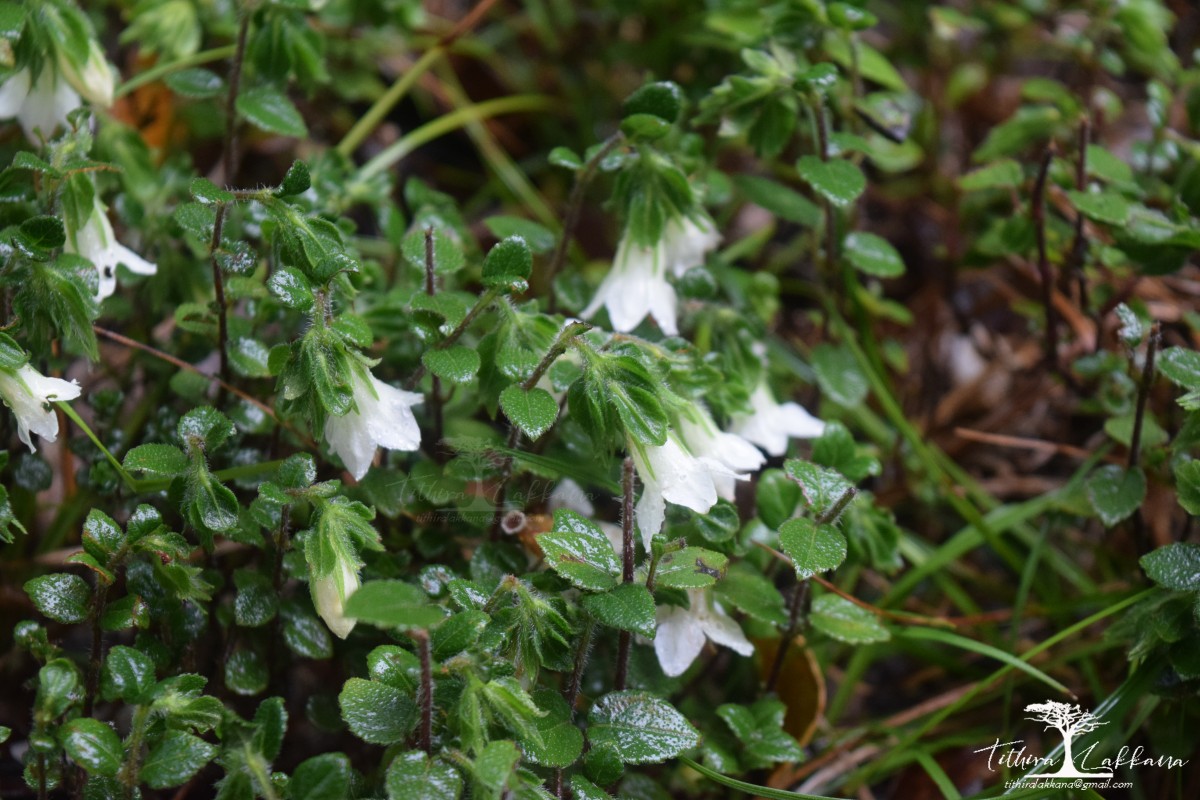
(93, 79)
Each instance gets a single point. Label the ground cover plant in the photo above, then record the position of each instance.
(527, 398)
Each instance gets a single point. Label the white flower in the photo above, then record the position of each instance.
(637, 283)
(770, 424)
(682, 631)
(669, 472)
(94, 81)
(382, 417)
(330, 595)
(40, 105)
(95, 242)
(28, 392)
(738, 456)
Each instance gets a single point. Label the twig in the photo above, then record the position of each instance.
(1135, 440)
(624, 639)
(436, 389)
(574, 209)
(1023, 442)
(425, 696)
(1079, 245)
(228, 160)
(1037, 212)
(96, 657)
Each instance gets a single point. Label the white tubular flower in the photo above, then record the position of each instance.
(738, 456)
(688, 241)
(28, 393)
(770, 424)
(40, 105)
(636, 286)
(96, 242)
(670, 473)
(637, 283)
(682, 632)
(382, 417)
(94, 80)
(330, 594)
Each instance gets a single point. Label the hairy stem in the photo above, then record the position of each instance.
(1037, 212)
(1135, 440)
(96, 657)
(228, 162)
(625, 638)
(435, 393)
(425, 696)
(574, 209)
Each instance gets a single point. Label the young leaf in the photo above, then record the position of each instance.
(415, 776)
(61, 597)
(533, 411)
(873, 255)
(175, 759)
(1175, 566)
(1115, 493)
(838, 181)
(840, 619)
(268, 109)
(457, 364)
(691, 568)
(508, 264)
(377, 713)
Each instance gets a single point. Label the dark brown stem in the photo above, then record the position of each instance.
(801, 595)
(280, 542)
(41, 787)
(425, 696)
(574, 208)
(1079, 244)
(571, 691)
(826, 206)
(435, 393)
(228, 162)
(568, 332)
(456, 334)
(624, 639)
(1037, 211)
(96, 659)
(1135, 440)
(799, 601)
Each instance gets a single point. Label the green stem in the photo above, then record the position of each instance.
(159, 71)
(387, 101)
(129, 480)
(128, 776)
(444, 124)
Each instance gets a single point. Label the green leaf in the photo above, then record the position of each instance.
(663, 100)
(1187, 486)
(873, 255)
(92, 745)
(565, 157)
(760, 729)
(175, 759)
(204, 424)
(307, 636)
(1115, 493)
(812, 547)
(782, 201)
(324, 777)
(628, 607)
(246, 672)
(448, 255)
(823, 489)
(393, 604)
(538, 237)
(746, 589)
(579, 551)
(1107, 207)
(268, 109)
(1002, 174)
(1175, 566)
(583, 789)
(37, 236)
(296, 181)
(641, 727)
(691, 568)
(257, 600)
(838, 374)
(533, 411)
(128, 675)
(838, 181)
(292, 287)
(508, 264)
(195, 83)
(377, 713)
(840, 619)
(493, 770)
(61, 597)
(561, 740)
(163, 460)
(457, 364)
(415, 776)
